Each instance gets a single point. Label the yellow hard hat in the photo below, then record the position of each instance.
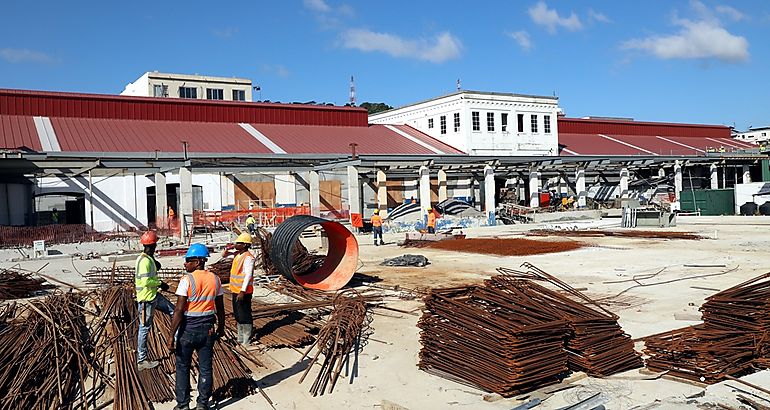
(428, 209)
(376, 211)
(243, 238)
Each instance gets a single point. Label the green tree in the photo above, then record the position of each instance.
(374, 108)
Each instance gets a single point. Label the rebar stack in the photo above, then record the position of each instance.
(124, 274)
(16, 285)
(733, 339)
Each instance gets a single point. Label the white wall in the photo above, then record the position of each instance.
(746, 193)
(285, 189)
(144, 85)
(138, 88)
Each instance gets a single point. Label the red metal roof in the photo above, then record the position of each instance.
(18, 132)
(58, 104)
(375, 139)
(445, 148)
(625, 127)
(105, 135)
(604, 144)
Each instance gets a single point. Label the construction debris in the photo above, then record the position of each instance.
(595, 233)
(406, 260)
(15, 284)
(501, 246)
(734, 338)
(15, 236)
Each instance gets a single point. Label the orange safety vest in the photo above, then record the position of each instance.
(376, 221)
(431, 219)
(202, 289)
(237, 275)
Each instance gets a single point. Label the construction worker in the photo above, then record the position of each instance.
(251, 224)
(199, 308)
(431, 221)
(55, 216)
(377, 227)
(147, 297)
(241, 285)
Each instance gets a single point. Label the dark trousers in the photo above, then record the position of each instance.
(242, 311)
(377, 230)
(431, 229)
(197, 339)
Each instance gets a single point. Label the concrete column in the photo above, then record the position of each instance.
(489, 194)
(580, 187)
(442, 186)
(713, 176)
(354, 190)
(522, 192)
(678, 179)
(382, 193)
(624, 183)
(661, 172)
(424, 190)
(185, 210)
(746, 174)
(161, 201)
(534, 184)
(315, 193)
(563, 184)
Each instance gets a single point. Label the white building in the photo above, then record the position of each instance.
(155, 84)
(484, 123)
(755, 135)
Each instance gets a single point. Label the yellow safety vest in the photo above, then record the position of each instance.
(237, 275)
(146, 279)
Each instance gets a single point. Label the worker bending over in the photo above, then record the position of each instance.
(147, 297)
(251, 224)
(199, 307)
(377, 227)
(431, 221)
(241, 274)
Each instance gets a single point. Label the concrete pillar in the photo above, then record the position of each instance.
(746, 174)
(161, 201)
(580, 187)
(534, 184)
(714, 176)
(563, 184)
(624, 183)
(354, 190)
(442, 186)
(678, 179)
(661, 172)
(382, 193)
(489, 194)
(522, 192)
(315, 193)
(424, 175)
(185, 211)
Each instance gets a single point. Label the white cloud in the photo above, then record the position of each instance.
(437, 50)
(596, 16)
(551, 20)
(22, 55)
(705, 38)
(522, 38)
(318, 5)
(276, 69)
(730, 12)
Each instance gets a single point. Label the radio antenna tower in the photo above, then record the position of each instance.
(352, 92)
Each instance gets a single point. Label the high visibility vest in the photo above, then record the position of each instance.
(376, 220)
(251, 221)
(237, 275)
(431, 219)
(146, 278)
(202, 289)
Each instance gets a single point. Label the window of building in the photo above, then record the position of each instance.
(504, 122)
(547, 124)
(534, 123)
(521, 122)
(430, 122)
(476, 121)
(215, 94)
(239, 95)
(457, 122)
(159, 90)
(443, 124)
(490, 122)
(188, 92)
(764, 134)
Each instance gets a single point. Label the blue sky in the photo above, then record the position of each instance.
(680, 61)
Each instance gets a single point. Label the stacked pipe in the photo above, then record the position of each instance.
(16, 285)
(482, 336)
(733, 339)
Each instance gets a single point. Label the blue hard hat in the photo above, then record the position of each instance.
(197, 250)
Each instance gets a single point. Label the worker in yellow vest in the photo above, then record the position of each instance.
(199, 307)
(147, 297)
(241, 286)
(431, 221)
(377, 227)
(251, 224)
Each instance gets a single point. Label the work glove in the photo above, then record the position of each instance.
(164, 286)
(239, 297)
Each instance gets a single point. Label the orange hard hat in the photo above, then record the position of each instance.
(149, 238)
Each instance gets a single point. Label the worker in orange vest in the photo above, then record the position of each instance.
(377, 227)
(241, 285)
(431, 221)
(199, 307)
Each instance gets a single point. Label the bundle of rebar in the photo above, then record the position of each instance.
(342, 337)
(484, 337)
(303, 260)
(734, 338)
(221, 268)
(123, 274)
(14, 236)
(17, 285)
(281, 329)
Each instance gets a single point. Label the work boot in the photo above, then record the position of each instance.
(202, 407)
(382, 242)
(247, 329)
(182, 407)
(147, 364)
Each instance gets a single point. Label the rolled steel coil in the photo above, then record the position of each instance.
(341, 259)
